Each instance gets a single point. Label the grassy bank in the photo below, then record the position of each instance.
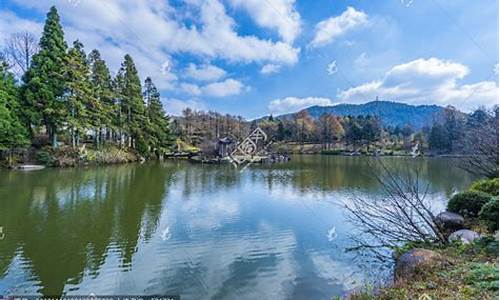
(463, 270)
(466, 272)
(69, 157)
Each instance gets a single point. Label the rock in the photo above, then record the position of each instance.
(410, 262)
(450, 221)
(465, 236)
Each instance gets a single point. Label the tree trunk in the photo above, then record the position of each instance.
(53, 132)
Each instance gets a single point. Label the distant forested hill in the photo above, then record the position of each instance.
(391, 113)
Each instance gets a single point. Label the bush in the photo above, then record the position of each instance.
(331, 152)
(45, 158)
(489, 186)
(468, 203)
(489, 214)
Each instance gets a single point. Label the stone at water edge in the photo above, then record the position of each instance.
(450, 221)
(410, 262)
(466, 236)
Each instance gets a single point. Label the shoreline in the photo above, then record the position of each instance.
(131, 157)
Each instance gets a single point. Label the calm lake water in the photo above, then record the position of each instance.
(201, 231)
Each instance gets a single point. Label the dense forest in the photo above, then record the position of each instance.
(70, 98)
(450, 132)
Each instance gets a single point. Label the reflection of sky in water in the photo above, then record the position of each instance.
(205, 232)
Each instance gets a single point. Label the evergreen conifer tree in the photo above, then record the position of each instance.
(12, 132)
(102, 87)
(82, 107)
(45, 79)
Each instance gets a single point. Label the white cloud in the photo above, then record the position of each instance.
(205, 72)
(279, 15)
(332, 68)
(189, 88)
(228, 87)
(426, 81)
(10, 23)
(330, 29)
(175, 106)
(293, 104)
(152, 30)
(270, 68)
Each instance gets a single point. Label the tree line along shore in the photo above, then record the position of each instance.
(67, 108)
(64, 108)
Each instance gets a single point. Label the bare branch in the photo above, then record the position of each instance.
(20, 48)
(400, 215)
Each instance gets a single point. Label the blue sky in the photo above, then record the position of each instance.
(255, 57)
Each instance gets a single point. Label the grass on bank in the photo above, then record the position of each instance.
(465, 272)
(70, 157)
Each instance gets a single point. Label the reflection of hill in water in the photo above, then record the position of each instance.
(65, 227)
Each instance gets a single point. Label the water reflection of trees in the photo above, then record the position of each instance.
(334, 173)
(64, 222)
(308, 173)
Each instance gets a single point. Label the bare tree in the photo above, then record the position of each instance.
(481, 143)
(20, 48)
(401, 214)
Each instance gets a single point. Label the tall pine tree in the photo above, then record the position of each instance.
(82, 107)
(45, 79)
(132, 105)
(159, 137)
(12, 133)
(102, 87)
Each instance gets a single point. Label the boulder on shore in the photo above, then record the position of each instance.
(466, 236)
(408, 264)
(450, 221)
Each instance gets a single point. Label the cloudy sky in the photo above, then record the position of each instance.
(255, 57)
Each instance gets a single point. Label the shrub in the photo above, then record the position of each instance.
(468, 203)
(489, 214)
(331, 152)
(489, 186)
(483, 276)
(45, 158)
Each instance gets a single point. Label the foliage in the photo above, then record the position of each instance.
(468, 272)
(45, 157)
(483, 276)
(158, 127)
(489, 214)
(489, 186)
(184, 147)
(331, 152)
(390, 113)
(72, 97)
(13, 134)
(480, 143)
(45, 79)
(80, 104)
(468, 203)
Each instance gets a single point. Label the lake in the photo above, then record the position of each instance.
(201, 231)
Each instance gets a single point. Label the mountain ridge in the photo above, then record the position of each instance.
(391, 113)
